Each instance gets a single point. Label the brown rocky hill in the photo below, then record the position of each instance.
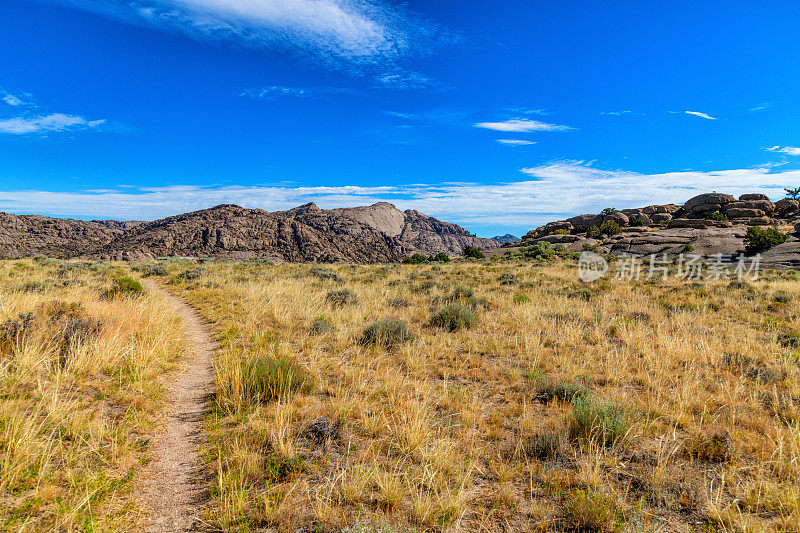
(377, 233)
(25, 235)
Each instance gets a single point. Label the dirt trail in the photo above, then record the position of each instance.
(172, 489)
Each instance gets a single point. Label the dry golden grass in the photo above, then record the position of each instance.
(79, 394)
(667, 406)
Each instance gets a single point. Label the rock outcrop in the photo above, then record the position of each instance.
(377, 233)
(416, 230)
(707, 224)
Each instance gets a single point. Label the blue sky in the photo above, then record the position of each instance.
(496, 115)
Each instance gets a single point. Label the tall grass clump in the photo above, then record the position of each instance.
(268, 378)
(594, 419)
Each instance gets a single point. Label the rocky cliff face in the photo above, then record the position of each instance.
(377, 233)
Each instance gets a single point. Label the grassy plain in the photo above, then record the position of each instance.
(532, 402)
(80, 394)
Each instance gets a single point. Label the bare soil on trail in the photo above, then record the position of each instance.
(172, 489)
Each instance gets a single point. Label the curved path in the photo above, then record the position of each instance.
(173, 487)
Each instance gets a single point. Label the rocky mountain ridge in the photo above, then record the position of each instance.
(376, 233)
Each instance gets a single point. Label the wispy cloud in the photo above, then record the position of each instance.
(552, 191)
(54, 122)
(340, 33)
(701, 115)
(521, 126)
(627, 112)
(515, 142)
(15, 101)
(790, 150)
(761, 107)
(274, 92)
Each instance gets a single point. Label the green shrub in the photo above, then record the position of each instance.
(415, 259)
(590, 510)
(441, 257)
(389, 333)
(609, 211)
(759, 239)
(341, 298)
(610, 228)
(124, 286)
(521, 299)
(193, 273)
(270, 378)
(507, 279)
(594, 419)
(453, 317)
(320, 327)
(789, 339)
(782, 297)
(473, 252)
(278, 469)
(716, 215)
(325, 274)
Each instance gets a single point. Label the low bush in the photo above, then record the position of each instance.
(759, 239)
(594, 419)
(124, 286)
(341, 298)
(325, 274)
(590, 510)
(389, 333)
(441, 257)
(270, 378)
(321, 326)
(565, 391)
(507, 279)
(521, 299)
(415, 259)
(453, 317)
(193, 273)
(278, 469)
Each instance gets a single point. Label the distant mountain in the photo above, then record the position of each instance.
(376, 233)
(502, 239)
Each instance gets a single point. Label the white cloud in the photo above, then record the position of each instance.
(343, 33)
(553, 191)
(701, 115)
(791, 150)
(515, 142)
(53, 122)
(14, 101)
(521, 126)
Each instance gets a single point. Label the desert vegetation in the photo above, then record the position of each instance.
(82, 347)
(498, 395)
